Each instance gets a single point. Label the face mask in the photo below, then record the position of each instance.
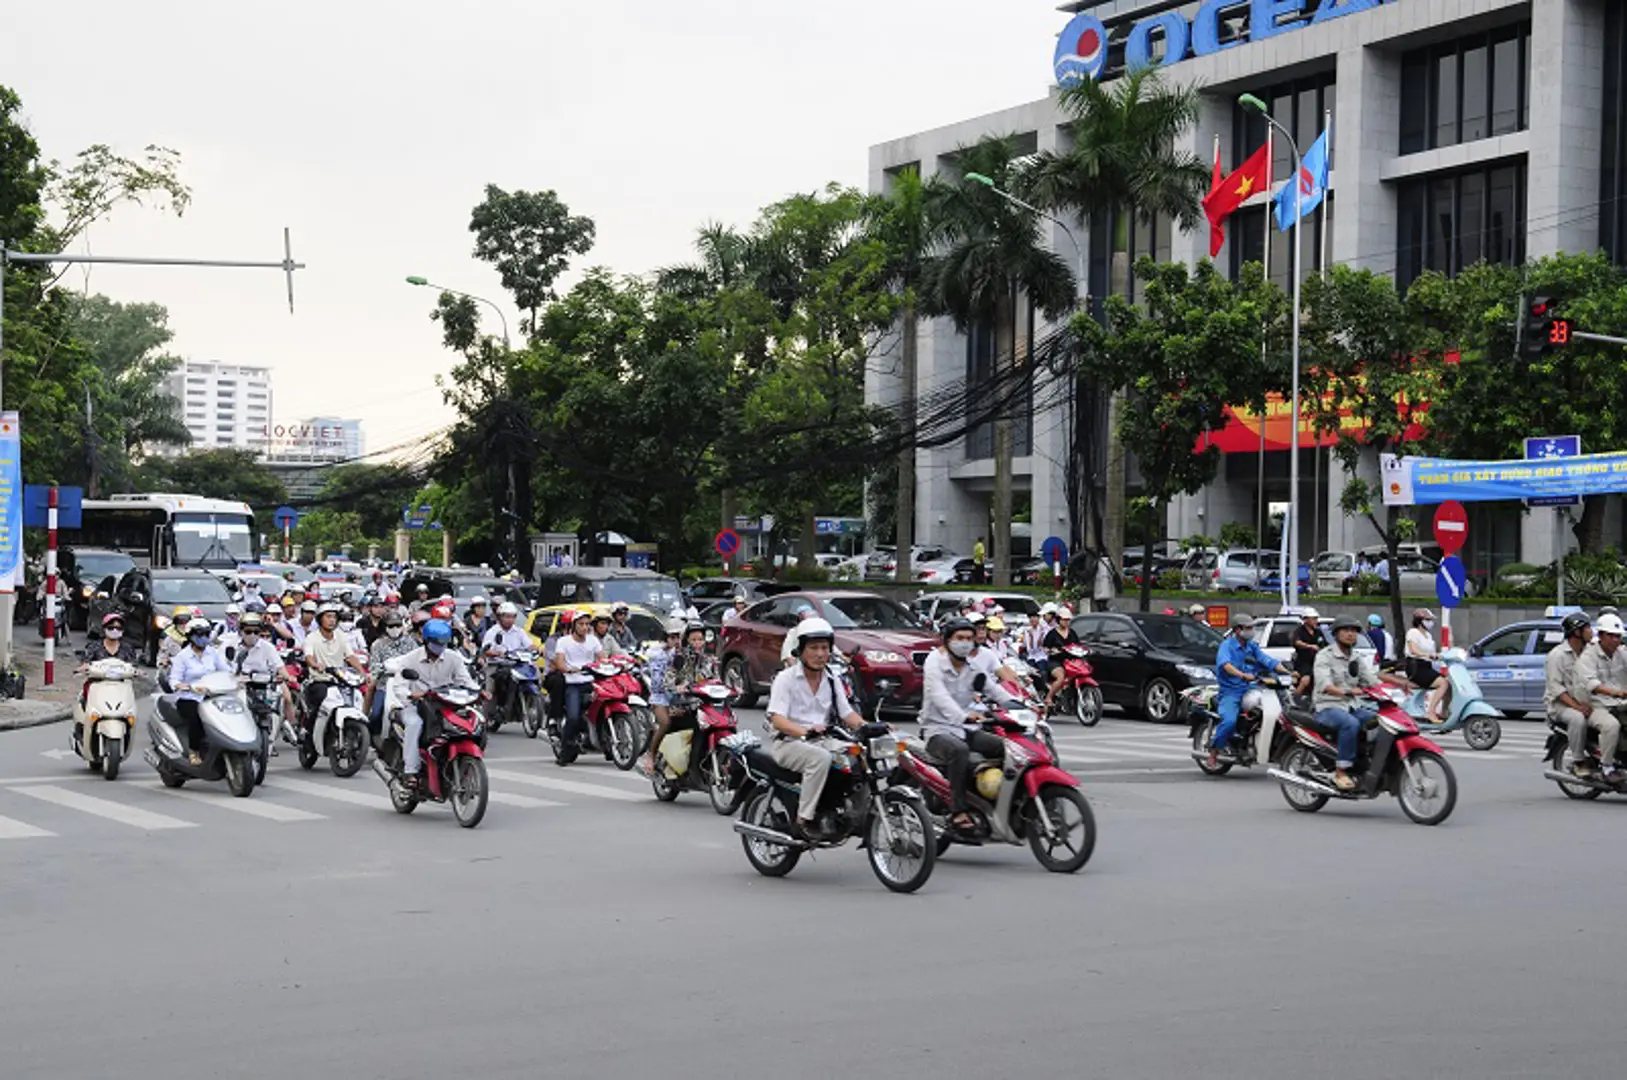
(434, 648)
(200, 641)
(395, 631)
(1245, 634)
(112, 633)
(962, 649)
(1429, 624)
(347, 626)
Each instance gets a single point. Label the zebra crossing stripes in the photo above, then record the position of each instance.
(573, 787)
(122, 813)
(12, 829)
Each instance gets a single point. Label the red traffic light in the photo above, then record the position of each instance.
(1539, 309)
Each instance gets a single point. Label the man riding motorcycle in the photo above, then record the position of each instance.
(1238, 654)
(948, 722)
(607, 641)
(326, 651)
(188, 667)
(1564, 696)
(497, 643)
(1602, 672)
(1340, 675)
(573, 655)
(802, 702)
(257, 655)
(393, 643)
(436, 664)
(624, 635)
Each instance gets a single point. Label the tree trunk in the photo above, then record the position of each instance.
(1150, 515)
(1589, 528)
(904, 512)
(1005, 341)
(806, 543)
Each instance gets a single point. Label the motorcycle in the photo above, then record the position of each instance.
(104, 719)
(607, 717)
(340, 730)
(230, 742)
(1467, 708)
(696, 760)
(857, 801)
(1260, 736)
(1392, 758)
(265, 705)
(522, 697)
(1080, 695)
(1027, 798)
(1558, 753)
(454, 760)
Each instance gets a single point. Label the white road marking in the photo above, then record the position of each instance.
(103, 808)
(11, 829)
(571, 786)
(521, 802)
(251, 806)
(325, 791)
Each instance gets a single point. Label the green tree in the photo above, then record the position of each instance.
(529, 236)
(1123, 166)
(1195, 346)
(329, 530)
(991, 251)
(374, 493)
(226, 473)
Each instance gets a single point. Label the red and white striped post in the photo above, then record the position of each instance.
(50, 587)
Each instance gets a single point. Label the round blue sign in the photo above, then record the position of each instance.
(1054, 550)
(285, 517)
(1081, 50)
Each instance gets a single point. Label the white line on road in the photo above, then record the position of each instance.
(18, 830)
(259, 808)
(325, 791)
(521, 802)
(571, 786)
(112, 811)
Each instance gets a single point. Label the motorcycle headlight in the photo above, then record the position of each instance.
(880, 656)
(1195, 673)
(87, 591)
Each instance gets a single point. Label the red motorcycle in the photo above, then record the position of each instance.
(1392, 758)
(454, 758)
(608, 720)
(695, 759)
(1080, 695)
(1030, 798)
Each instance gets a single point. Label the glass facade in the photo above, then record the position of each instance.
(1453, 220)
(980, 373)
(1613, 171)
(1460, 91)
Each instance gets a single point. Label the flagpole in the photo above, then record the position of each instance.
(1327, 263)
(1265, 520)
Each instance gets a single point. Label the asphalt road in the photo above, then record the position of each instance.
(584, 930)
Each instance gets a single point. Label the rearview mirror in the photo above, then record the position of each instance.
(980, 682)
(409, 674)
(138, 597)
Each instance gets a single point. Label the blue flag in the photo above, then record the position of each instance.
(1312, 183)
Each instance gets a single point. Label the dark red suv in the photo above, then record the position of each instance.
(883, 639)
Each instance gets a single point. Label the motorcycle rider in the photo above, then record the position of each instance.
(392, 643)
(1340, 674)
(1033, 647)
(1421, 656)
(256, 655)
(788, 647)
(691, 664)
(326, 651)
(620, 630)
(1564, 697)
(371, 623)
(1238, 654)
(175, 638)
(607, 641)
(190, 665)
(476, 621)
(436, 664)
(499, 640)
(1602, 671)
(110, 646)
(949, 719)
(277, 627)
(1383, 641)
(660, 659)
(802, 702)
(573, 655)
(1057, 639)
(1307, 643)
(301, 628)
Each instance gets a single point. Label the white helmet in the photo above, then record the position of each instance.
(233, 609)
(477, 601)
(506, 608)
(1308, 613)
(1609, 624)
(815, 629)
(1047, 608)
(330, 607)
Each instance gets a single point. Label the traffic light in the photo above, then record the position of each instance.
(1544, 330)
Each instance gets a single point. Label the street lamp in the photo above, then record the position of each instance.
(1078, 252)
(1291, 571)
(414, 279)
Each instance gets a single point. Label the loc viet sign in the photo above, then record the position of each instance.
(1166, 37)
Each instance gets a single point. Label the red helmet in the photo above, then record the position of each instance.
(442, 611)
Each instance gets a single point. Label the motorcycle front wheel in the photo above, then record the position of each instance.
(239, 774)
(1087, 706)
(1428, 800)
(1482, 732)
(112, 754)
(902, 847)
(308, 757)
(714, 769)
(769, 859)
(469, 790)
(1073, 837)
(349, 751)
(1200, 745)
(531, 715)
(623, 741)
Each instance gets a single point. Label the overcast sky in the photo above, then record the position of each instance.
(371, 129)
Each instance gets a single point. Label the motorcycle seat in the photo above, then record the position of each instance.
(763, 762)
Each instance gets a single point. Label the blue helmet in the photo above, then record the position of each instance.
(1375, 621)
(437, 630)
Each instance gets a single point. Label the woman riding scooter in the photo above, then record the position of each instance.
(190, 665)
(110, 646)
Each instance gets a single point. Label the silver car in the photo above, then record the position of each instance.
(1232, 570)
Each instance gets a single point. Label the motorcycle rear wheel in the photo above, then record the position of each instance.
(403, 800)
(1580, 791)
(171, 778)
(308, 757)
(1297, 759)
(769, 860)
(904, 863)
(1435, 768)
(1070, 812)
(1482, 732)
(666, 788)
(469, 790)
(1200, 745)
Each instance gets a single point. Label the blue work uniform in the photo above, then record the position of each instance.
(1242, 655)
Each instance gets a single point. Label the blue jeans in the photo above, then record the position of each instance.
(1228, 705)
(1349, 723)
(575, 699)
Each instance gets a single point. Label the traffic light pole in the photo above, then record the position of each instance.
(1604, 339)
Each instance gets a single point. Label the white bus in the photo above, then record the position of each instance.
(161, 529)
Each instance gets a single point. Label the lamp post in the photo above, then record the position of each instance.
(1291, 571)
(414, 279)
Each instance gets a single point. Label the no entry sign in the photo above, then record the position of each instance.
(1451, 527)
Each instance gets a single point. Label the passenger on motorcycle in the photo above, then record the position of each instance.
(573, 656)
(1564, 696)
(476, 621)
(371, 623)
(1239, 656)
(277, 628)
(256, 655)
(1307, 643)
(620, 630)
(175, 638)
(1058, 639)
(393, 643)
(803, 702)
(948, 720)
(1602, 671)
(436, 664)
(788, 647)
(660, 660)
(189, 666)
(301, 628)
(606, 641)
(1033, 646)
(690, 665)
(326, 651)
(1340, 675)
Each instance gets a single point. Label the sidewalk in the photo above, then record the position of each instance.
(42, 704)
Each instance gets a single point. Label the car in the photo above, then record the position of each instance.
(1335, 571)
(947, 569)
(727, 588)
(461, 585)
(1232, 570)
(1272, 580)
(1275, 633)
(882, 564)
(87, 571)
(1510, 665)
(146, 598)
(270, 585)
(882, 638)
(542, 625)
(1143, 661)
(938, 606)
(607, 584)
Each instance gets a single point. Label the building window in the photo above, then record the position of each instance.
(1613, 169)
(1464, 90)
(1145, 238)
(1450, 221)
(1300, 106)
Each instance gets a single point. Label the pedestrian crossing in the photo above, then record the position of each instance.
(78, 803)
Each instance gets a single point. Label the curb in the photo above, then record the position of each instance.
(56, 716)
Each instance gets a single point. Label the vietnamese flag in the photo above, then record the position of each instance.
(1251, 178)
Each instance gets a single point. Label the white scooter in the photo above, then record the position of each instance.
(104, 719)
(340, 732)
(231, 738)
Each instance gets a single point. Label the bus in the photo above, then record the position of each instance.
(162, 529)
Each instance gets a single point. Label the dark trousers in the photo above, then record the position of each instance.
(316, 692)
(194, 723)
(956, 755)
(554, 684)
(576, 696)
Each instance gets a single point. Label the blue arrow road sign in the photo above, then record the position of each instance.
(1054, 550)
(285, 517)
(1451, 582)
(1554, 446)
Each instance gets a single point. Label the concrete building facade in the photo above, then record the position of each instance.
(1461, 129)
(224, 405)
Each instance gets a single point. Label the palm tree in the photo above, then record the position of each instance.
(899, 219)
(990, 252)
(1123, 161)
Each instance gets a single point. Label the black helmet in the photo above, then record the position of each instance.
(955, 625)
(1345, 622)
(1575, 623)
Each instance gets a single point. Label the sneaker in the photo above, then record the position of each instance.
(1343, 782)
